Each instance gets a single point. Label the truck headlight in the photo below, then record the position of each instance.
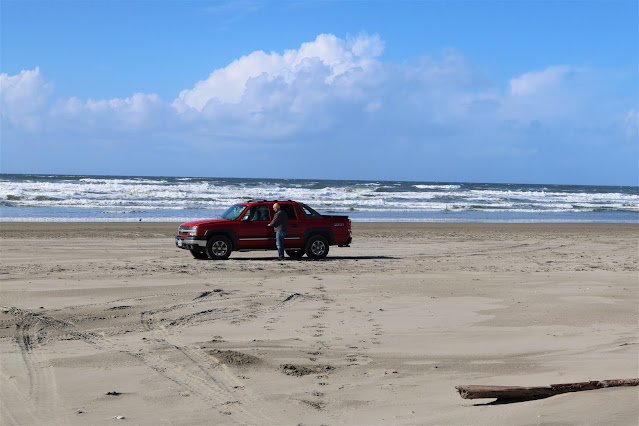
(192, 231)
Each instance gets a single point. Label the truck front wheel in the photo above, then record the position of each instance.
(317, 247)
(199, 254)
(218, 248)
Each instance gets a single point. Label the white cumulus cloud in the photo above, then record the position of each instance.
(23, 97)
(533, 82)
(132, 113)
(228, 85)
(631, 124)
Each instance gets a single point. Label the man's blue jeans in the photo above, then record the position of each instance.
(279, 240)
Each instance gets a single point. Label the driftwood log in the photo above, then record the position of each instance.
(518, 392)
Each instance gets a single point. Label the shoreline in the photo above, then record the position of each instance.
(435, 219)
(169, 229)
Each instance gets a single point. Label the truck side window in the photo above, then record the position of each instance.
(309, 212)
(258, 213)
(290, 211)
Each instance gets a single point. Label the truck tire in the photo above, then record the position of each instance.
(218, 247)
(317, 247)
(199, 254)
(296, 254)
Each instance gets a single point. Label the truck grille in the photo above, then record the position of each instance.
(183, 231)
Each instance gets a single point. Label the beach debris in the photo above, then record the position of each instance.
(537, 392)
(229, 357)
(219, 291)
(120, 417)
(203, 294)
(113, 393)
(303, 370)
(117, 308)
(318, 405)
(291, 297)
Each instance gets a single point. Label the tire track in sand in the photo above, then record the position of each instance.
(185, 364)
(41, 394)
(196, 372)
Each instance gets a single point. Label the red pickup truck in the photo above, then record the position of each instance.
(243, 227)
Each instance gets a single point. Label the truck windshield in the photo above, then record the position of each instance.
(233, 212)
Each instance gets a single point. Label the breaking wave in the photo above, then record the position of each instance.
(34, 197)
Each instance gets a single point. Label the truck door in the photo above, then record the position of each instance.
(295, 225)
(253, 232)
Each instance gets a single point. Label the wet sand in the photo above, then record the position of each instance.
(378, 333)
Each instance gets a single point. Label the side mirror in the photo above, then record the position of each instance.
(246, 217)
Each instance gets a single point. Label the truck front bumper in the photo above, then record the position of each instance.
(190, 243)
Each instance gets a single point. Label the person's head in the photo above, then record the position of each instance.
(276, 207)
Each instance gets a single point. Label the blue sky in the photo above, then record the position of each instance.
(480, 91)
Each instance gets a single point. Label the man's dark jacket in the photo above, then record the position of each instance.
(280, 221)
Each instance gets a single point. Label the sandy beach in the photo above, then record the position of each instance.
(377, 333)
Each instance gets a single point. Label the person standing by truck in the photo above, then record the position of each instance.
(280, 224)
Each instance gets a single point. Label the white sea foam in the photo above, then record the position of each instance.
(109, 198)
(437, 186)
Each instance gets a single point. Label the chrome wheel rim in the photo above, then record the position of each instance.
(318, 247)
(219, 248)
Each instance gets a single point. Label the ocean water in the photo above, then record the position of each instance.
(57, 198)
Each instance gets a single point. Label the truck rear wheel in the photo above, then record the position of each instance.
(218, 247)
(317, 247)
